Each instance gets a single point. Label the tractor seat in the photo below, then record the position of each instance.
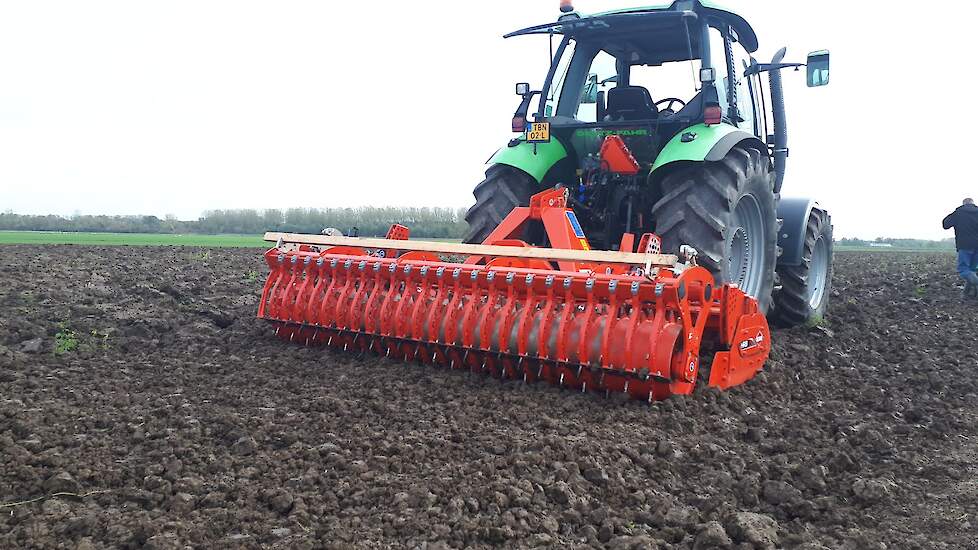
(631, 103)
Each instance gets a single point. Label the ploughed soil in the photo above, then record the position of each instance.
(179, 420)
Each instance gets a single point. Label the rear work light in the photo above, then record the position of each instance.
(712, 115)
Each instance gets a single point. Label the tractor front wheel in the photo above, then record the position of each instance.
(726, 210)
(504, 189)
(803, 295)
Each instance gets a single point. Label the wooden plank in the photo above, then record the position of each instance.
(597, 256)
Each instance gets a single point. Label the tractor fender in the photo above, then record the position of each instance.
(536, 159)
(794, 213)
(700, 143)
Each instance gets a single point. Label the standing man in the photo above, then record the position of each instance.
(964, 220)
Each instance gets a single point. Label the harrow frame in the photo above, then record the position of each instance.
(600, 320)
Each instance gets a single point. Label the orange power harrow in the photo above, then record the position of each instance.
(598, 320)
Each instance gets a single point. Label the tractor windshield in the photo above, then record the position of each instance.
(626, 68)
(592, 84)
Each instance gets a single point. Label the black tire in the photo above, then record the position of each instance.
(504, 189)
(803, 297)
(699, 207)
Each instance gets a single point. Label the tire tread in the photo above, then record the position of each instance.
(503, 189)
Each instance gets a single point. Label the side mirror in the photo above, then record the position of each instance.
(818, 68)
(591, 90)
(522, 88)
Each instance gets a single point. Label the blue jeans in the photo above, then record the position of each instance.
(967, 265)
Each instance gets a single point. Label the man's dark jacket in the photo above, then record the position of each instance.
(964, 220)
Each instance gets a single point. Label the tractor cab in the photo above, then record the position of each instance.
(644, 75)
(650, 72)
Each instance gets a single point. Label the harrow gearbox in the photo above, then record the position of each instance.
(606, 321)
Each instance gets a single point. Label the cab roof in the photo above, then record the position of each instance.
(654, 18)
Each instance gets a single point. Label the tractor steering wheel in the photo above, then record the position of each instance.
(670, 102)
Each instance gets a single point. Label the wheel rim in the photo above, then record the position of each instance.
(818, 273)
(746, 254)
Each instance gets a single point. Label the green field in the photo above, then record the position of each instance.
(132, 239)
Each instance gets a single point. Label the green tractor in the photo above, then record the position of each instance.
(657, 120)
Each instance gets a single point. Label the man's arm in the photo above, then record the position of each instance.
(949, 220)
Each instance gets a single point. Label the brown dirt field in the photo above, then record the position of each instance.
(190, 425)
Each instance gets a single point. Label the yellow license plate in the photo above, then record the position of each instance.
(538, 132)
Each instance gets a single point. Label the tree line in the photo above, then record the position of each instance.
(434, 222)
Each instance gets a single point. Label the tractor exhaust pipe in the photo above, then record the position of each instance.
(780, 121)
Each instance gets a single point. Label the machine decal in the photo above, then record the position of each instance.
(578, 230)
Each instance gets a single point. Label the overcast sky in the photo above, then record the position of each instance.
(175, 107)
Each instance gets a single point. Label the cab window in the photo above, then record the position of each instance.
(718, 60)
(677, 80)
(559, 78)
(745, 92)
(601, 77)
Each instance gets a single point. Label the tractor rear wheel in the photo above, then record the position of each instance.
(803, 295)
(726, 210)
(504, 189)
